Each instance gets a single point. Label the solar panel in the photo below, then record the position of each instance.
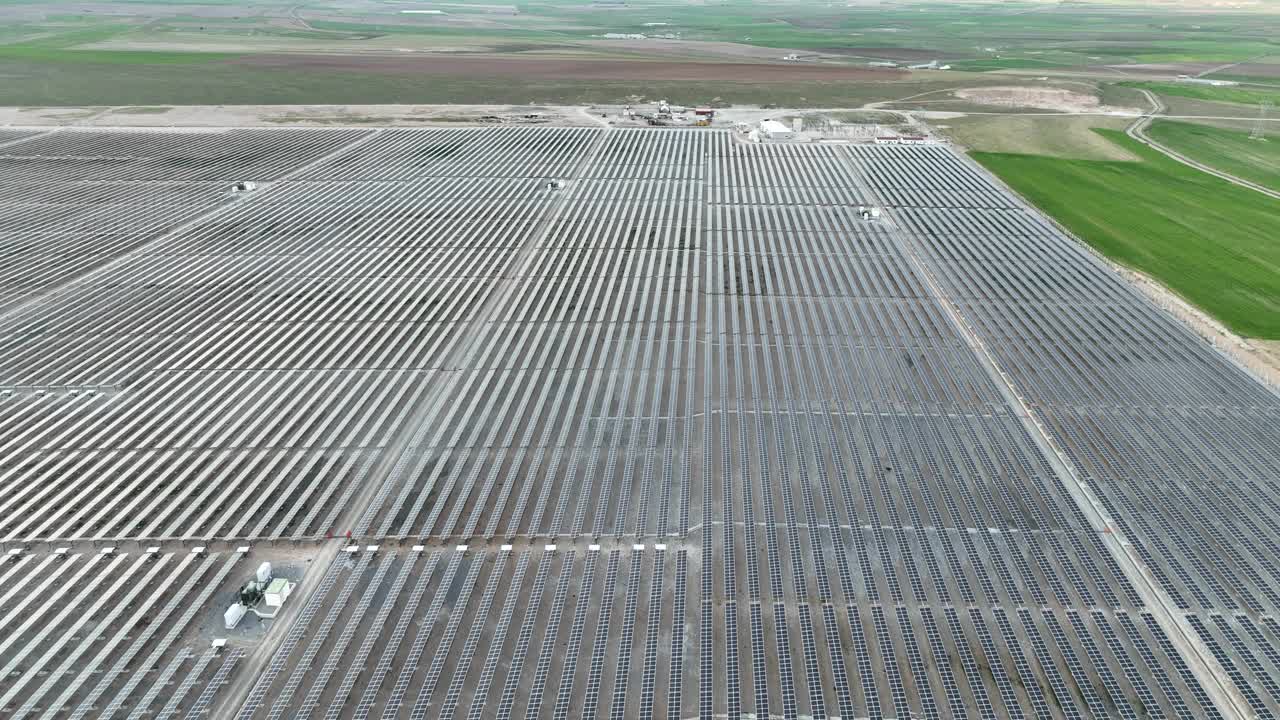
(417, 335)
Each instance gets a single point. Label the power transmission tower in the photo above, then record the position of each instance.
(1260, 127)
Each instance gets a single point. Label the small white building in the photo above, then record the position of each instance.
(278, 591)
(775, 130)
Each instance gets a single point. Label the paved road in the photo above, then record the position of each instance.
(1138, 131)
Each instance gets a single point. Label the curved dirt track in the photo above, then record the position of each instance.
(1138, 131)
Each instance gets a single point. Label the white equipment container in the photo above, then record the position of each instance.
(232, 617)
(278, 591)
(264, 573)
(775, 130)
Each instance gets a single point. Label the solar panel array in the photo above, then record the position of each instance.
(243, 377)
(1176, 441)
(95, 635)
(11, 135)
(73, 200)
(678, 432)
(567, 410)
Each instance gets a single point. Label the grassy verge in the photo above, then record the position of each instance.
(1230, 151)
(1208, 240)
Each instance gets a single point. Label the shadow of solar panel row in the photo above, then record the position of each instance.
(1176, 441)
(91, 635)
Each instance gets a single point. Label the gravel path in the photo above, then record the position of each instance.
(1138, 131)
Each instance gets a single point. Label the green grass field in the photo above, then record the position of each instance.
(1210, 241)
(64, 48)
(1230, 151)
(1216, 93)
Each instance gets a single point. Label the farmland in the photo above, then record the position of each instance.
(1231, 151)
(1213, 93)
(1204, 238)
(294, 81)
(68, 53)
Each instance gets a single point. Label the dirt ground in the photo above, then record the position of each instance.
(1270, 349)
(892, 53)
(1054, 135)
(549, 68)
(1056, 99)
(1041, 98)
(222, 116)
(692, 48)
(48, 116)
(272, 115)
